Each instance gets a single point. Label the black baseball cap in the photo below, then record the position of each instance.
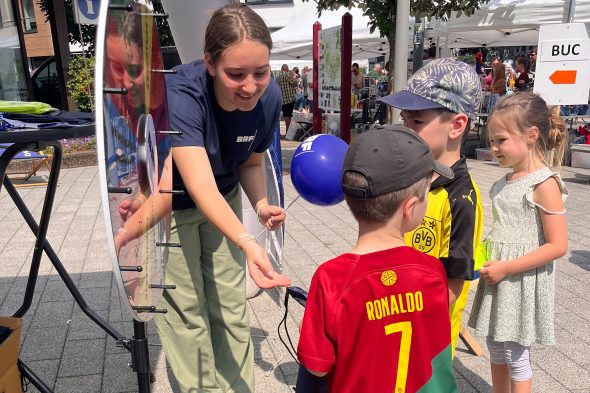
(391, 159)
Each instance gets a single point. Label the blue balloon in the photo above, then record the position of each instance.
(316, 169)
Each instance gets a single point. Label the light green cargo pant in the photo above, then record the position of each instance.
(206, 332)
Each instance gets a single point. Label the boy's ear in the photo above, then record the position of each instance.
(209, 63)
(459, 125)
(408, 207)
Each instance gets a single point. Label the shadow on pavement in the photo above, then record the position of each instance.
(580, 258)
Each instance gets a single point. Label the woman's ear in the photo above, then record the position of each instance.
(210, 64)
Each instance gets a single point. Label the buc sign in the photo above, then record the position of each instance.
(562, 74)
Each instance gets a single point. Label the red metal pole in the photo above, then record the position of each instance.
(345, 82)
(317, 116)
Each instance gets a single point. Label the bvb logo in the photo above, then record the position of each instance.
(423, 239)
(388, 278)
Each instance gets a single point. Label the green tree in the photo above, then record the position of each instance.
(80, 82)
(89, 31)
(382, 13)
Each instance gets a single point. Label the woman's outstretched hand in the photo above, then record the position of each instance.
(261, 269)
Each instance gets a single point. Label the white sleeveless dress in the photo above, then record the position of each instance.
(519, 308)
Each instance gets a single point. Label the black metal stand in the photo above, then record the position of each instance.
(138, 345)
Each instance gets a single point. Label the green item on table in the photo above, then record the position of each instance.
(29, 107)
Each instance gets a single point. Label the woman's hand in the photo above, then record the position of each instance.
(493, 272)
(129, 206)
(271, 216)
(260, 268)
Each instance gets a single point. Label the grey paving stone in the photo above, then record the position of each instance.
(46, 370)
(81, 384)
(83, 357)
(118, 376)
(43, 344)
(53, 314)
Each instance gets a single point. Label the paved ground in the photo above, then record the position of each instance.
(73, 355)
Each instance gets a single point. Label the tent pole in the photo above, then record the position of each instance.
(402, 24)
(571, 11)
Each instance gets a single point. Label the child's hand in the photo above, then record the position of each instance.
(493, 272)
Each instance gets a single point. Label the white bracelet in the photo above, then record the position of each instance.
(123, 233)
(242, 236)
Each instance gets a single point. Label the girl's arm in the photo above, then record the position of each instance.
(252, 181)
(548, 195)
(201, 186)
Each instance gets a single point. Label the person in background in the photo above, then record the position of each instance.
(479, 64)
(533, 60)
(287, 83)
(498, 88)
(299, 103)
(357, 79)
(375, 74)
(228, 111)
(514, 303)
(523, 80)
(305, 82)
(430, 55)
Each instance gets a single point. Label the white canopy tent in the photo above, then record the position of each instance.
(505, 23)
(295, 41)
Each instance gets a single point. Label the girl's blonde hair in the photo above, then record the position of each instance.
(521, 111)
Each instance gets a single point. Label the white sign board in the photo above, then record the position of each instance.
(330, 51)
(562, 74)
(86, 11)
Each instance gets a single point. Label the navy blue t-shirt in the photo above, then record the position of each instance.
(229, 138)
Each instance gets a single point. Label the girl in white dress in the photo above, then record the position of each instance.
(514, 303)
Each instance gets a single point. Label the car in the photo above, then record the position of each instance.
(46, 83)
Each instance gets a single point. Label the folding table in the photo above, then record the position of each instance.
(36, 140)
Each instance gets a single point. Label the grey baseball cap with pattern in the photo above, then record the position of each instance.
(442, 83)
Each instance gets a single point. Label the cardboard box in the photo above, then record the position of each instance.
(580, 156)
(10, 379)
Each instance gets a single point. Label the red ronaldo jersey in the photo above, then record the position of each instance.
(379, 322)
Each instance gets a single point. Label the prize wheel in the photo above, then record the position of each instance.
(135, 162)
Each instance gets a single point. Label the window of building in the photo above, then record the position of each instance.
(251, 2)
(29, 21)
(13, 77)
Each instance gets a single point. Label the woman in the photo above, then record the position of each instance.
(522, 82)
(299, 103)
(228, 110)
(498, 88)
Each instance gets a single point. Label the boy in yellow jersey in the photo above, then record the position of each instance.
(438, 103)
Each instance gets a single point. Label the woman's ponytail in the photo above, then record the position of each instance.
(557, 139)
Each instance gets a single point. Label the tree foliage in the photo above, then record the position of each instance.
(80, 82)
(382, 12)
(89, 31)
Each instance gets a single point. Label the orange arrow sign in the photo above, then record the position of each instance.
(565, 77)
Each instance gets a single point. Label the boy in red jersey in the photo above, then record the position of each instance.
(377, 318)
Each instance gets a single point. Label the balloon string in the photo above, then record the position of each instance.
(287, 208)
